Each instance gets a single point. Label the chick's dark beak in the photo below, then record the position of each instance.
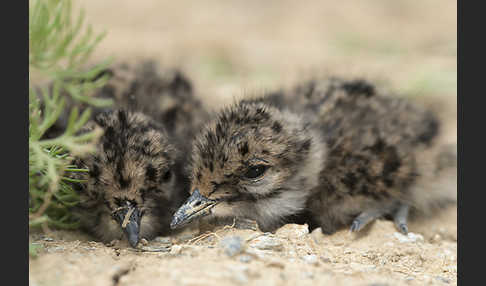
(195, 207)
(129, 220)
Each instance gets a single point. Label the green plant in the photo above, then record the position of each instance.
(59, 45)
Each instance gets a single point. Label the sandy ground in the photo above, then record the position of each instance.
(234, 48)
(290, 256)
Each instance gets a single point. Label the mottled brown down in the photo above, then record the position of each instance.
(166, 95)
(146, 134)
(333, 152)
(135, 162)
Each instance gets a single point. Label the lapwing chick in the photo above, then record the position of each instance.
(166, 95)
(136, 180)
(341, 156)
(133, 186)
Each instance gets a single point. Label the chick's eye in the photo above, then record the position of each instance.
(256, 171)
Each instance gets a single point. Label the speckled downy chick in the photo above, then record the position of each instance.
(166, 95)
(146, 134)
(341, 156)
(133, 187)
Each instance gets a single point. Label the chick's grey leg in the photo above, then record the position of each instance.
(400, 218)
(366, 217)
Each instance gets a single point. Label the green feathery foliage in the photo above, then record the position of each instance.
(59, 45)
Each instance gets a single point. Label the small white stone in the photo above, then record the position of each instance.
(310, 259)
(317, 235)
(267, 242)
(232, 245)
(410, 237)
(293, 231)
(292, 253)
(176, 249)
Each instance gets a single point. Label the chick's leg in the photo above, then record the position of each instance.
(366, 217)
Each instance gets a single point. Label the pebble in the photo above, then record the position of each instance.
(293, 231)
(348, 251)
(176, 249)
(310, 259)
(410, 237)
(317, 235)
(267, 242)
(232, 245)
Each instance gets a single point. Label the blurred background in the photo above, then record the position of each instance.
(232, 48)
